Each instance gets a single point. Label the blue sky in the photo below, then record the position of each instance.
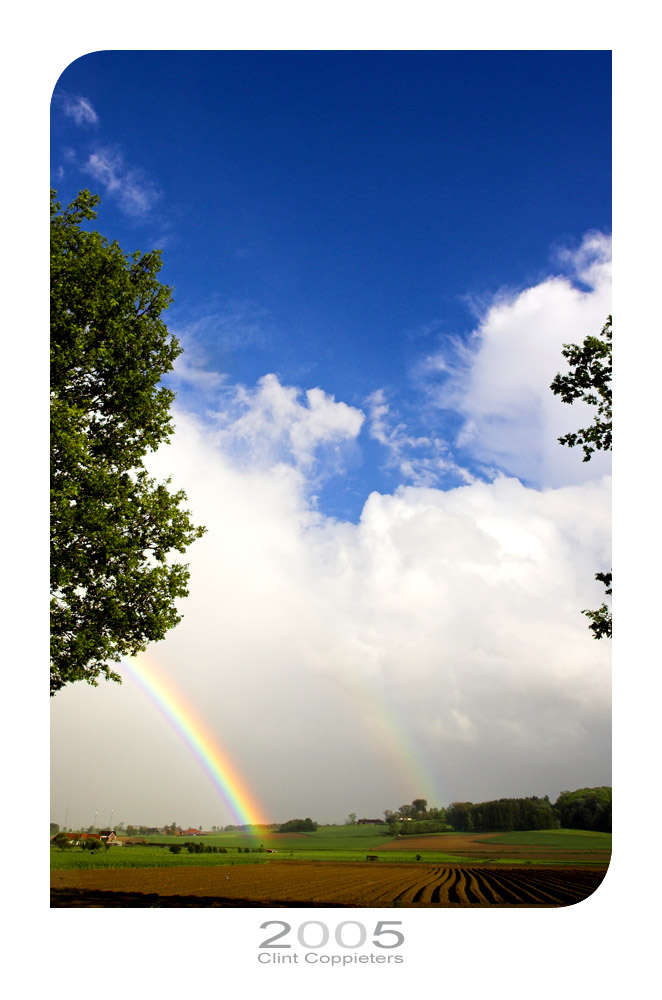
(337, 218)
(376, 257)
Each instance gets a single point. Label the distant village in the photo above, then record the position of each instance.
(122, 835)
(130, 835)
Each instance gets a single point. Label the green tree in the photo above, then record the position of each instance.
(601, 618)
(585, 809)
(113, 586)
(298, 826)
(392, 821)
(589, 379)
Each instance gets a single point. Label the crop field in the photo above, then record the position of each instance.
(330, 868)
(351, 844)
(158, 857)
(325, 838)
(327, 883)
(549, 846)
(582, 840)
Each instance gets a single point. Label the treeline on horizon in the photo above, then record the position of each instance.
(583, 809)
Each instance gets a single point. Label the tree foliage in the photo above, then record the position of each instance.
(306, 825)
(531, 813)
(415, 819)
(601, 618)
(419, 808)
(585, 809)
(113, 586)
(91, 844)
(589, 379)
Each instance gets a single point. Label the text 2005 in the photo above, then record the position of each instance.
(348, 934)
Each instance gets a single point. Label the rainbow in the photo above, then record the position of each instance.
(202, 743)
(406, 759)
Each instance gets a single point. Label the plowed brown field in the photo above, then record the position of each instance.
(326, 883)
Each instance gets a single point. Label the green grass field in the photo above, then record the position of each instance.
(156, 857)
(325, 838)
(328, 843)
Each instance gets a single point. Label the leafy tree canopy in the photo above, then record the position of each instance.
(113, 587)
(585, 809)
(306, 825)
(589, 379)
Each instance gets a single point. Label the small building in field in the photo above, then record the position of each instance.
(105, 836)
(109, 837)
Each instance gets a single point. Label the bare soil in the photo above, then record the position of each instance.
(326, 883)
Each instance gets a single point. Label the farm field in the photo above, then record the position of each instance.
(578, 846)
(325, 838)
(330, 868)
(157, 857)
(328, 883)
(337, 844)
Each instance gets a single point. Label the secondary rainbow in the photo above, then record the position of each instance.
(202, 743)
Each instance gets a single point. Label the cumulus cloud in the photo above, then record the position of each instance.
(453, 614)
(436, 648)
(499, 381)
(135, 194)
(79, 109)
(272, 422)
(438, 642)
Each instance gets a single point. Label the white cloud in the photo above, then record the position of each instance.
(435, 648)
(191, 372)
(135, 194)
(270, 423)
(79, 108)
(500, 382)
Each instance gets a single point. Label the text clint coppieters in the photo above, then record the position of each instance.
(313, 958)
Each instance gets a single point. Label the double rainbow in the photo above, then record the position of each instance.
(202, 743)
